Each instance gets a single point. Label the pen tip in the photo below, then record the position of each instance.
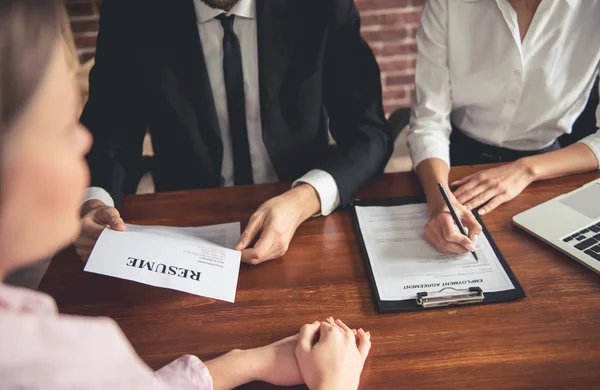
(475, 256)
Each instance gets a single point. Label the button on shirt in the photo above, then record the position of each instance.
(211, 36)
(473, 71)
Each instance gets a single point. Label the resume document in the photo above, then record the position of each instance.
(196, 260)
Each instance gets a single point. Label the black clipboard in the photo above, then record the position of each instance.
(467, 297)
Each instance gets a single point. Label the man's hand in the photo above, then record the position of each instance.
(277, 221)
(95, 217)
(493, 186)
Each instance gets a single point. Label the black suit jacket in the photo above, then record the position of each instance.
(316, 73)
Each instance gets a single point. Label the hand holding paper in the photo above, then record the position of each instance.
(193, 260)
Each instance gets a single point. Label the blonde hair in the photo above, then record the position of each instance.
(28, 33)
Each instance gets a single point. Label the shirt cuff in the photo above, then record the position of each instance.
(426, 146)
(99, 194)
(187, 372)
(326, 188)
(593, 142)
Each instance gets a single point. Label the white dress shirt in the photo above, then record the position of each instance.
(473, 71)
(211, 36)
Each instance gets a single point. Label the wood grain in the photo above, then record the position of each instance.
(550, 340)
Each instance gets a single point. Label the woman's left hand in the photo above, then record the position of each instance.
(493, 186)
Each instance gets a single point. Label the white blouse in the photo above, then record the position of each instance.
(473, 71)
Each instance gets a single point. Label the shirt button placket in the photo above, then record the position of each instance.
(509, 108)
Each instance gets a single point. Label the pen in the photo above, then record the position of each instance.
(455, 216)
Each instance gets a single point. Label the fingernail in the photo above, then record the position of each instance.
(481, 211)
(475, 238)
(369, 334)
(471, 248)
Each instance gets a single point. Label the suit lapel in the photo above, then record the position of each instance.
(277, 30)
(191, 70)
(277, 33)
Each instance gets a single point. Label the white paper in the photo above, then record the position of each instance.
(404, 264)
(196, 260)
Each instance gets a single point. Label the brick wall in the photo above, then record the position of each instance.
(388, 25)
(84, 15)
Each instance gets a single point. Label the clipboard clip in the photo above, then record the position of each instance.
(450, 298)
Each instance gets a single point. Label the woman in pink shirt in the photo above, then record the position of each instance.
(43, 176)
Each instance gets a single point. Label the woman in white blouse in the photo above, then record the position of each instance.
(500, 81)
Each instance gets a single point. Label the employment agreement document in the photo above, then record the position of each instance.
(404, 264)
(197, 260)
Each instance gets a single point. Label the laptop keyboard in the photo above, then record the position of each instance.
(587, 240)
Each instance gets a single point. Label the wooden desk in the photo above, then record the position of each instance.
(550, 340)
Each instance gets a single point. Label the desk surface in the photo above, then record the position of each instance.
(550, 340)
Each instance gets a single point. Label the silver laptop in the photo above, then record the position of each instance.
(570, 223)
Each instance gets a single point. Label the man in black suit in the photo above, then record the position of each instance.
(235, 92)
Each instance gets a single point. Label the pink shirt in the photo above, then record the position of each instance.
(40, 349)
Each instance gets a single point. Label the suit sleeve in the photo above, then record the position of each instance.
(115, 111)
(353, 99)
